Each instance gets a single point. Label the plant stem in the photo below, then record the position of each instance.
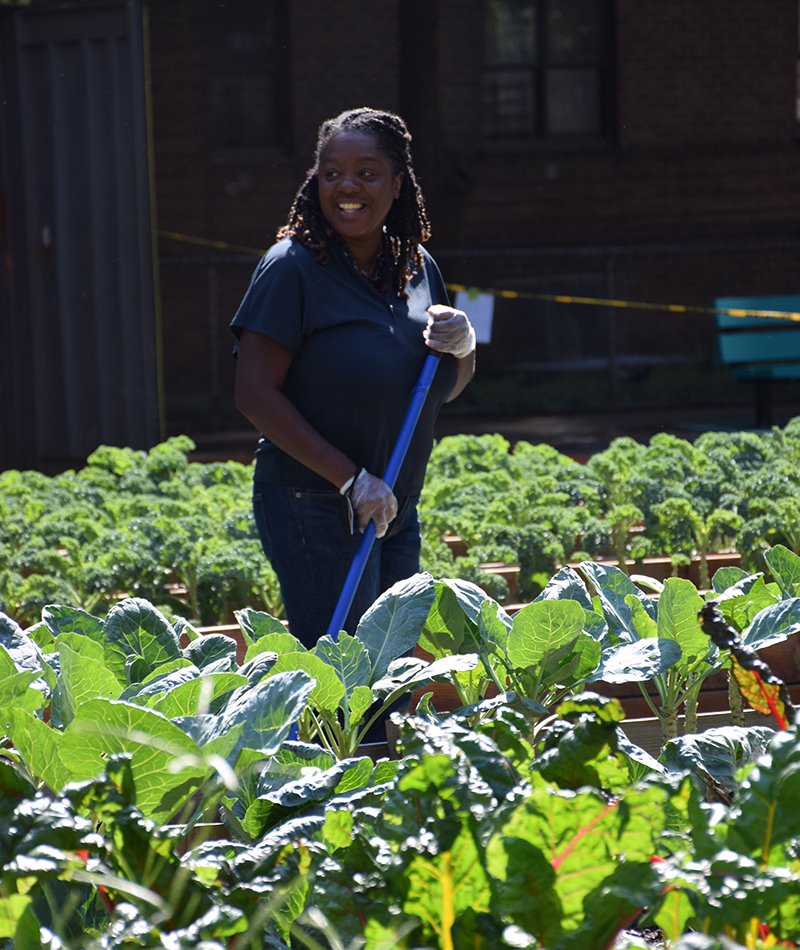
(690, 709)
(735, 701)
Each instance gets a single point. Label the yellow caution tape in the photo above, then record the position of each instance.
(526, 295)
(630, 304)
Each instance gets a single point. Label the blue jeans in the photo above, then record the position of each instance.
(306, 537)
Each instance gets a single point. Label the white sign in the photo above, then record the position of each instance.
(480, 311)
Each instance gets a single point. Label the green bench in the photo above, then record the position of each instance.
(760, 349)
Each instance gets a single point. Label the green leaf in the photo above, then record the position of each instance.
(541, 628)
(257, 624)
(103, 727)
(643, 623)
(678, 607)
(329, 689)
(12, 909)
(279, 643)
(784, 566)
(349, 660)
(265, 713)
(566, 585)
(613, 589)
(361, 699)
(415, 674)
(717, 754)
(212, 648)
(442, 886)
(444, 626)
(136, 630)
(393, 624)
(186, 699)
(22, 650)
(82, 676)
(726, 577)
(60, 619)
(39, 745)
(16, 692)
(773, 624)
(637, 662)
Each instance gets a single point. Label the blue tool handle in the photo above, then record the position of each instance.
(418, 395)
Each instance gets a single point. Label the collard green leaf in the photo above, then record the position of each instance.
(211, 648)
(22, 650)
(740, 605)
(678, 607)
(103, 727)
(266, 712)
(160, 682)
(637, 662)
(82, 676)
(361, 699)
(393, 624)
(136, 631)
(494, 625)
(39, 746)
(717, 754)
(349, 660)
(328, 691)
(42, 637)
(443, 632)
(566, 585)
(613, 587)
(784, 566)
(16, 692)
(541, 628)
(60, 618)
(278, 643)
(470, 597)
(414, 676)
(195, 696)
(726, 577)
(281, 794)
(257, 624)
(773, 624)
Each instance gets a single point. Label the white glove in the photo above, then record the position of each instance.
(372, 500)
(449, 331)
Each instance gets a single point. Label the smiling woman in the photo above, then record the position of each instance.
(332, 333)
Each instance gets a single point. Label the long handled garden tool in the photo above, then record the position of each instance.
(418, 395)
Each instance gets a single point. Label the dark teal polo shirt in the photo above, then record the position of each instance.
(357, 355)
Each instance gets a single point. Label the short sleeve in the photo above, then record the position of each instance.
(275, 300)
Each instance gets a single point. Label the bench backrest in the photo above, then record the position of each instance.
(760, 340)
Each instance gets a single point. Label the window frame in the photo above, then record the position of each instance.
(541, 138)
(278, 71)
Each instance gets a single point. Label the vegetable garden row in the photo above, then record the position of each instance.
(181, 534)
(524, 819)
(156, 791)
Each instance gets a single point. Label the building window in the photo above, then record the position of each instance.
(547, 68)
(247, 75)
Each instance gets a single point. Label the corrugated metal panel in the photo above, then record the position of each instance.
(87, 212)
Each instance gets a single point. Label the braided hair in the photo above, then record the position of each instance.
(406, 224)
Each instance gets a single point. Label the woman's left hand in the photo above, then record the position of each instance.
(449, 331)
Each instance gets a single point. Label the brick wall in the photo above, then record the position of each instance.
(704, 155)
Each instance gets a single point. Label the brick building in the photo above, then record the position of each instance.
(605, 148)
(627, 149)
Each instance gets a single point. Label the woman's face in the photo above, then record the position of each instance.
(356, 188)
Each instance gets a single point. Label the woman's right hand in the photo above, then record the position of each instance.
(373, 500)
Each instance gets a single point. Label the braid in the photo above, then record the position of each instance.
(406, 225)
